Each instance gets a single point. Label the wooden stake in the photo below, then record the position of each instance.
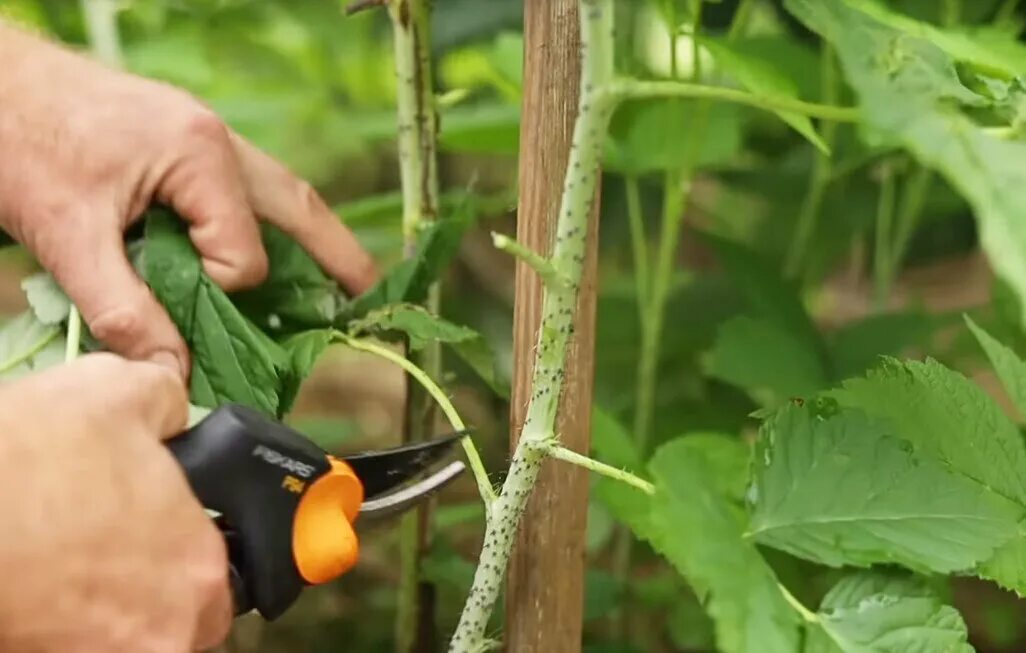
(545, 597)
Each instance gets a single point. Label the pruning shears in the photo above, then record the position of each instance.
(287, 508)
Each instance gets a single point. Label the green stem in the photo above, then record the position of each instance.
(1006, 11)
(639, 243)
(642, 89)
(28, 354)
(543, 267)
(101, 22)
(418, 167)
(952, 12)
(574, 458)
(739, 22)
(806, 614)
(595, 109)
(884, 236)
(805, 228)
(675, 190)
(696, 46)
(476, 466)
(910, 211)
(673, 39)
(74, 341)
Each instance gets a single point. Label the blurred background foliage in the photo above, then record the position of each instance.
(316, 89)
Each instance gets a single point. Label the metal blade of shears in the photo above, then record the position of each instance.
(382, 472)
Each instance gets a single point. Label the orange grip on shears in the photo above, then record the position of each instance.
(324, 543)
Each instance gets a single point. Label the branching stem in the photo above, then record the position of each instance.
(473, 457)
(574, 458)
(542, 266)
(626, 89)
(595, 108)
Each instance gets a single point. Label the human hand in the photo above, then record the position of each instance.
(105, 547)
(87, 149)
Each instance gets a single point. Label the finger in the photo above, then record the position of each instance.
(206, 189)
(151, 398)
(295, 207)
(91, 265)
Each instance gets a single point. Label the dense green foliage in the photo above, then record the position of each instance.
(830, 473)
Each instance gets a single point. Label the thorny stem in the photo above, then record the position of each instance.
(542, 266)
(642, 89)
(574, 458)
(418, 162)
(821, 173)
(476, 466)
(558, 308)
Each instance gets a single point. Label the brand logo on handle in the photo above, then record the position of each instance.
(279, 459)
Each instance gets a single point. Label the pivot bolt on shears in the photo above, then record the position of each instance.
(287, 508)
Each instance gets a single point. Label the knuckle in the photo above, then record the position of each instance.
(205, 125)
(122, 322)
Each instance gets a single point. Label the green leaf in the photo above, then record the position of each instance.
(232, 359)
(946, 417)
(1009, 367)
(841, 488)
(409, 281)
(768, 295)
(879, 612)
(772, 364)
(481, 128)
(296, 294)
(647, 136)
(479, 357)
(759, 75)
(858, 346)
(414, 322)
(989, 48)
(701, 533)
(910, 95)
(28, 345)
(47, 300)
(612, 442)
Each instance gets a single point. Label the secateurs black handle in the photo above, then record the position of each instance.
(284, 505)
(287, 508)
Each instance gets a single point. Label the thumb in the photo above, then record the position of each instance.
(91, 265)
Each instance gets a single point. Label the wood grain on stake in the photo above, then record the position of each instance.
(545, 597)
